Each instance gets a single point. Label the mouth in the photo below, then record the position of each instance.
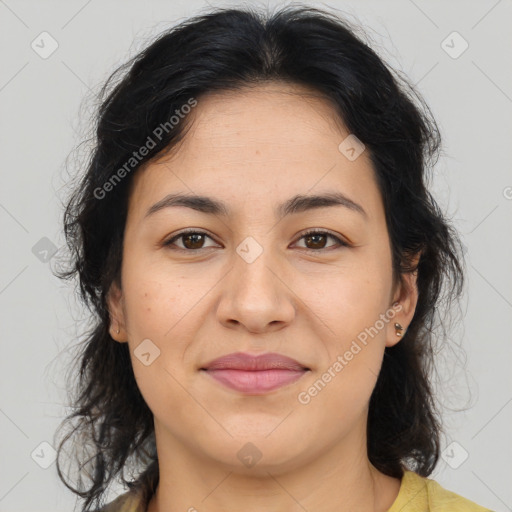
(255, 374)
(256, 382)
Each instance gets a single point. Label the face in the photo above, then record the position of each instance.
(251, 279)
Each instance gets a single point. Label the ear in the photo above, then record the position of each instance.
(404, 304)
(117, 316)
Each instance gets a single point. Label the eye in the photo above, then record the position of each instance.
(192, 240)
(318, 239)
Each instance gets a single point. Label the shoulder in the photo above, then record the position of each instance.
(420, 494)
(130, 501)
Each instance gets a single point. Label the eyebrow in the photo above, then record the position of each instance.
(297, 204)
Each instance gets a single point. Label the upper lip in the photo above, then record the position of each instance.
(248, 362)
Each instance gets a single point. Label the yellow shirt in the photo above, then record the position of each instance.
(417, 494)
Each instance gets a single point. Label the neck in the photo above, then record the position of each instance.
(339, 480)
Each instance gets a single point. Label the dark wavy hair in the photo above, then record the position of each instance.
(111, 426)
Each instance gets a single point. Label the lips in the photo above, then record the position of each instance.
(248, 362)
(255, 374)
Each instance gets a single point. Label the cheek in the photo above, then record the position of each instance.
(347, 301)
(158, 341)
(161, 297)
(353, 334)
(341, 390)
(153, 300)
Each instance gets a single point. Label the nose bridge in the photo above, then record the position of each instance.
(253, 263)
(254, 295)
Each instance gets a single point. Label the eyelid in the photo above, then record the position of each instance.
(322, 231)
(187, 231)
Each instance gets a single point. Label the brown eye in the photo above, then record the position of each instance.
(193, 240)
(316, 241)
(190, 241)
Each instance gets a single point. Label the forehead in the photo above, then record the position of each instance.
(276, 114)
(270, 140)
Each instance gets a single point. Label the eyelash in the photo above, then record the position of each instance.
(169, 242)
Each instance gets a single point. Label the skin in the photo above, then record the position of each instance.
(254, 149)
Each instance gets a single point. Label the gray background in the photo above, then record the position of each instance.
(43, 117)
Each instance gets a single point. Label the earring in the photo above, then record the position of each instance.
(398, 328)
(117, 330)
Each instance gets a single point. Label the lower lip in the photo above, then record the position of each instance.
(257, 382)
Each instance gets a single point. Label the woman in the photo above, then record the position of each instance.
(255, 237)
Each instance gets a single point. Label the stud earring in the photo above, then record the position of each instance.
(117, 330)
(398, 328)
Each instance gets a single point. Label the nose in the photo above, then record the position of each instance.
(256, 296)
